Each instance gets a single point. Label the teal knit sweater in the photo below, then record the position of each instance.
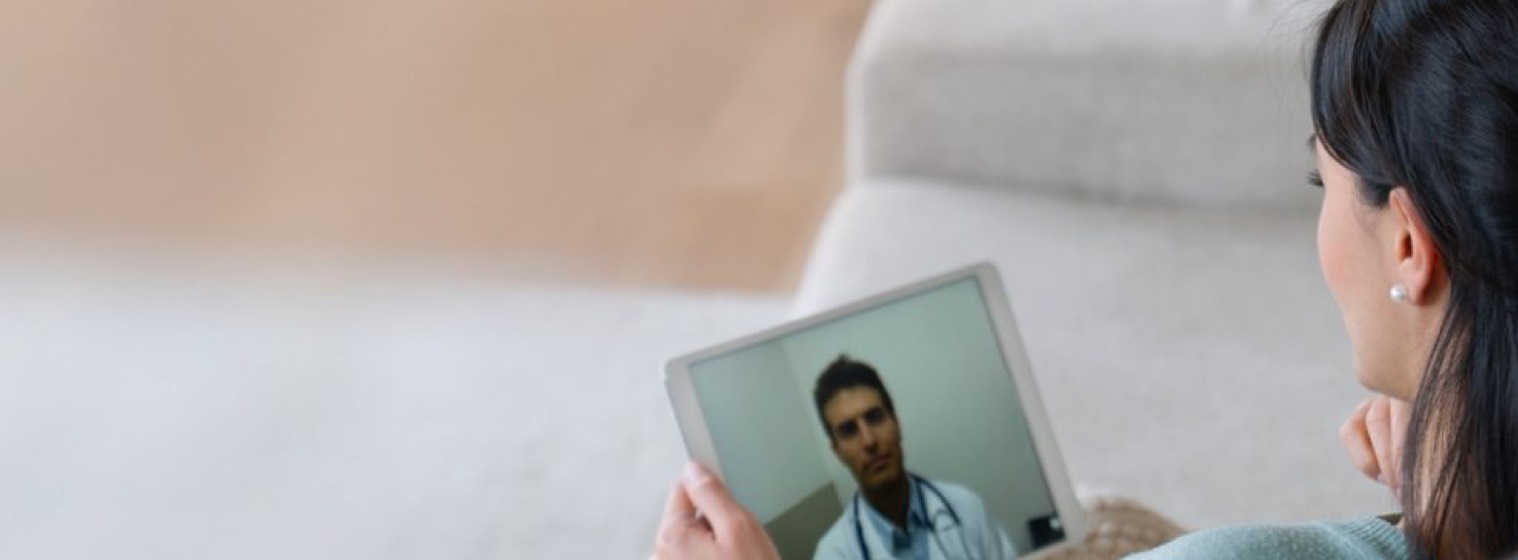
(1367, 538)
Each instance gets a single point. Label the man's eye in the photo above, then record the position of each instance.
(1315, 179)
(848, 429)
(875, 416)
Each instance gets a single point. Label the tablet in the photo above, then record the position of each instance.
(909, 419)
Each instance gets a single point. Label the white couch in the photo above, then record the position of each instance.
(164, 403)
(1136, 170)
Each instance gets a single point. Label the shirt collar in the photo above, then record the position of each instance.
(898, 539)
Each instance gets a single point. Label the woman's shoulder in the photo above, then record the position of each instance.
(1369, 537)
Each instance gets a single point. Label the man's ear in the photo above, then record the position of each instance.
(1420, 266)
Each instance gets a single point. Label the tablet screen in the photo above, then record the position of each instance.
(898, 427)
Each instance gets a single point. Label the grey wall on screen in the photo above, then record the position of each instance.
(761, 429)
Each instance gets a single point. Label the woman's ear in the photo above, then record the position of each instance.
(1420, 266)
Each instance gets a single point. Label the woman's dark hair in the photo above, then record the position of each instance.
(1423, 95)
(846, 373)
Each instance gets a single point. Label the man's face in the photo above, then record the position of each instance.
(866, 437)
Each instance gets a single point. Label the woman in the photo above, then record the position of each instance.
(1415, 106)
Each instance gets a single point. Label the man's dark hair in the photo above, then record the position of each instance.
(846, 373)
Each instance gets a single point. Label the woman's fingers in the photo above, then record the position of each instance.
(702, 521)
(1398, 414)
(711, 497)
(1374, 435)
(1378, 428)
(1357, 441)
(679, 515)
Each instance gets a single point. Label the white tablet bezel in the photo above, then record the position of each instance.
(702, 449)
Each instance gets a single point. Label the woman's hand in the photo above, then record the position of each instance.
(1373, 435)
(723, 530)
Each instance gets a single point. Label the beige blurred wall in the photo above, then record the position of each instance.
(652, 142)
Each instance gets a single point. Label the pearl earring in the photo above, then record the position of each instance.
(1399, 293)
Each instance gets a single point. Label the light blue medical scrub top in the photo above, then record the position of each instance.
(976, 531)
(908, 544)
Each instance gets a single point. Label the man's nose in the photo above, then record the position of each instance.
(867, 437)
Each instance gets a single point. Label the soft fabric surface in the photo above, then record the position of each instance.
(1190, 359)
(1118, 527)
(1366, 538)
(171, 405)
(1200, 101)
(166, 406)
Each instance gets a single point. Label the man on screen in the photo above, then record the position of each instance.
(895, 514)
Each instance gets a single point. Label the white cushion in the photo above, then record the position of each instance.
(1201, 101)
(1191, 359)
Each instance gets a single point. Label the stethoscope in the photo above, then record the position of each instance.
(922, 504)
